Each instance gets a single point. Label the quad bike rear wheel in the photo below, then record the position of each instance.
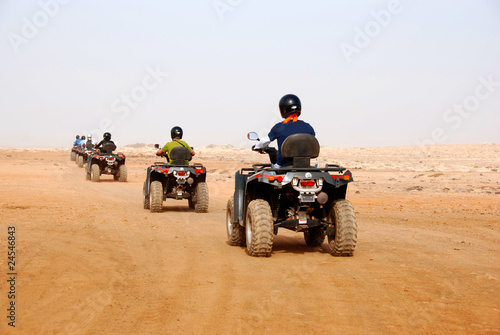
(343, 241)
(72, 156)
(95, 172)
(122, 173)
(314, 236)
(156, 197)
(235, 232)
(201, 205)
(145, 197)
(259, 228)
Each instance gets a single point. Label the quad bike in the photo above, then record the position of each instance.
(297, 197)
(78, 153)
(72, 155)
(105, 162)
(82, 156)
(176, 181)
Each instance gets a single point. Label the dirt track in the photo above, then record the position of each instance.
(91, 260)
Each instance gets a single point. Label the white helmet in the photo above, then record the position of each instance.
(89, 136)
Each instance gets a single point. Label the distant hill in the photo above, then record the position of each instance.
(140, 145)
(214, 146)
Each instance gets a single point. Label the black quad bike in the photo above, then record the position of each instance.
(176, 181)
(298, 197)
(105, 162)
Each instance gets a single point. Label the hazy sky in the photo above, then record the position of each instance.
(369, 73)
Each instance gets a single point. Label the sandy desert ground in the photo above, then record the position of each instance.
(91, 260)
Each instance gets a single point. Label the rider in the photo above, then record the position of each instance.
(89, 145)
(76, 141)
(106, 144)
(81, 143)
(290, 108)
(176, 135)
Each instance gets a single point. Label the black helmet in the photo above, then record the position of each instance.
(83, 137)
(77, 137)
(176, 132)
(290, 104)
(106, 136)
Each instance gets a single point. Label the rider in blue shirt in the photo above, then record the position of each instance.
(82, 142)
(290, 109)
(77, 141)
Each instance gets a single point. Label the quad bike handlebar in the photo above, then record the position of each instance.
(163, 154)
(272, 152)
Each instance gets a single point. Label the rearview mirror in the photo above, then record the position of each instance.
(253, 136)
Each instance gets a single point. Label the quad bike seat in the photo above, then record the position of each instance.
(301, 148)
(179, 155)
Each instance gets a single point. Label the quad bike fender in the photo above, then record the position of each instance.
(239, 197)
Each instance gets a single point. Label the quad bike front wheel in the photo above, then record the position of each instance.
(95, 172)
(235, 232)
(156, 197)
(201, 205)
(343, 241)
(145, 197)
(259, 228)
(314, 236)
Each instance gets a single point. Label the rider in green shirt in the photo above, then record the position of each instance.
(176, 134)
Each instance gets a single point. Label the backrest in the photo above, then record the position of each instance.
(179, 154)
(108, 147)
(301, 148)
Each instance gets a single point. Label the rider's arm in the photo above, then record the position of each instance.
(191, 151)
(163, 149)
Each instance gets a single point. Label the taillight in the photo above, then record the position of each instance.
(181, 173)
(273, 178)
(199, 170)
(307, 183)
(345, 177)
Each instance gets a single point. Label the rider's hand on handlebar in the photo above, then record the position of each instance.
(256, 149)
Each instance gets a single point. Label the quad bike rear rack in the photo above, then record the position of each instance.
(268, 167)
